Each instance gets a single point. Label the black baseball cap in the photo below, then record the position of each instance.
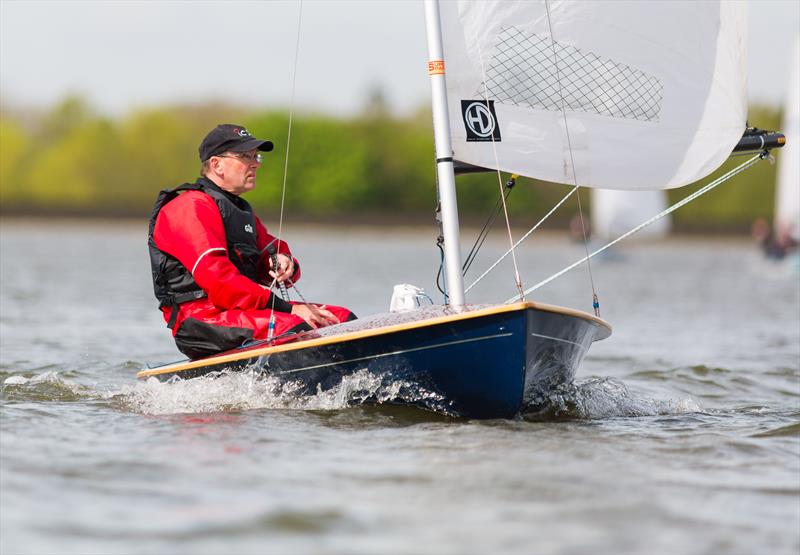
(230, 137)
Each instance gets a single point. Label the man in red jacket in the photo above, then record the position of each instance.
(213, 260)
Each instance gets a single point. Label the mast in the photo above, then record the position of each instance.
(444, 155)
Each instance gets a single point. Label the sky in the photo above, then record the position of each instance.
(123, 55)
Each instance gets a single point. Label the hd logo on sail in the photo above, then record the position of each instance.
(480, 120)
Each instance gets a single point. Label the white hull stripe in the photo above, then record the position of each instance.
(399, 352)
(557, 339)
(205, 253)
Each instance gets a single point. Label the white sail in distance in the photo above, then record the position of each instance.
(787, 194)
(616, 212)
(653, 94)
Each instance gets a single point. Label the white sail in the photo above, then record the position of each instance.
(787, 197)
(616, 212)
(654, 93)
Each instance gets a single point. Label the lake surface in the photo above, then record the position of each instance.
(680, 435)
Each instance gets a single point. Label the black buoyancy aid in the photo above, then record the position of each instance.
(172, 281)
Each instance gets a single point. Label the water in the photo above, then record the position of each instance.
(681, 435)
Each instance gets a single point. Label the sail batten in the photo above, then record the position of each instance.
(652, 94)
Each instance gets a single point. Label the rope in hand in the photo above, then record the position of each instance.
(273, 256)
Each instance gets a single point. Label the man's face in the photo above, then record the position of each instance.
(239, 171)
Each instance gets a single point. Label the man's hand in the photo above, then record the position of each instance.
(315, 316)
(285, 268)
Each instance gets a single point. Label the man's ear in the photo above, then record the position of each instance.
(215, 165)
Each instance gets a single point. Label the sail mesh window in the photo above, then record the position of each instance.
(522, 71)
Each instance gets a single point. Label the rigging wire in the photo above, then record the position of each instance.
(517, 278)
(531, 230)
(595, 302)
(289, 131)
(271, 329)
(291, 116)
(441, 287)
(487, 227)
(703, 190)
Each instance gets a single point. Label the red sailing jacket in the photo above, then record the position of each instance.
(190, 228)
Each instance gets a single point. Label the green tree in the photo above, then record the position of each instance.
(72, 159)
(75, 171)
(14, 146)
(158, 150)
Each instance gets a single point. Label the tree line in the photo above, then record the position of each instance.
(70, 160)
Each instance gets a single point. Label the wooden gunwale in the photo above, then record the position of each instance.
(382, 330)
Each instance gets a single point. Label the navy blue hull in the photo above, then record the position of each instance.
(475, 365)
(488, 366)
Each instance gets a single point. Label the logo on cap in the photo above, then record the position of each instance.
(241, 132)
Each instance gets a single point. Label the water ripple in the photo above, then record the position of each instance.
(47, 387)
(782, 431)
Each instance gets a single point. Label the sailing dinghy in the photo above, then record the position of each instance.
(614, 212)
(615, 95)
(787, 195)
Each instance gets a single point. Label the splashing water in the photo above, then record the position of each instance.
(593, 398)
(252, 390)
(601, 398)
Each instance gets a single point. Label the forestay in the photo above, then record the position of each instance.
(653, 93)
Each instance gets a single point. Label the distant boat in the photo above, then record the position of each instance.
(616, 212)
(636, 96)
(786, 225)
